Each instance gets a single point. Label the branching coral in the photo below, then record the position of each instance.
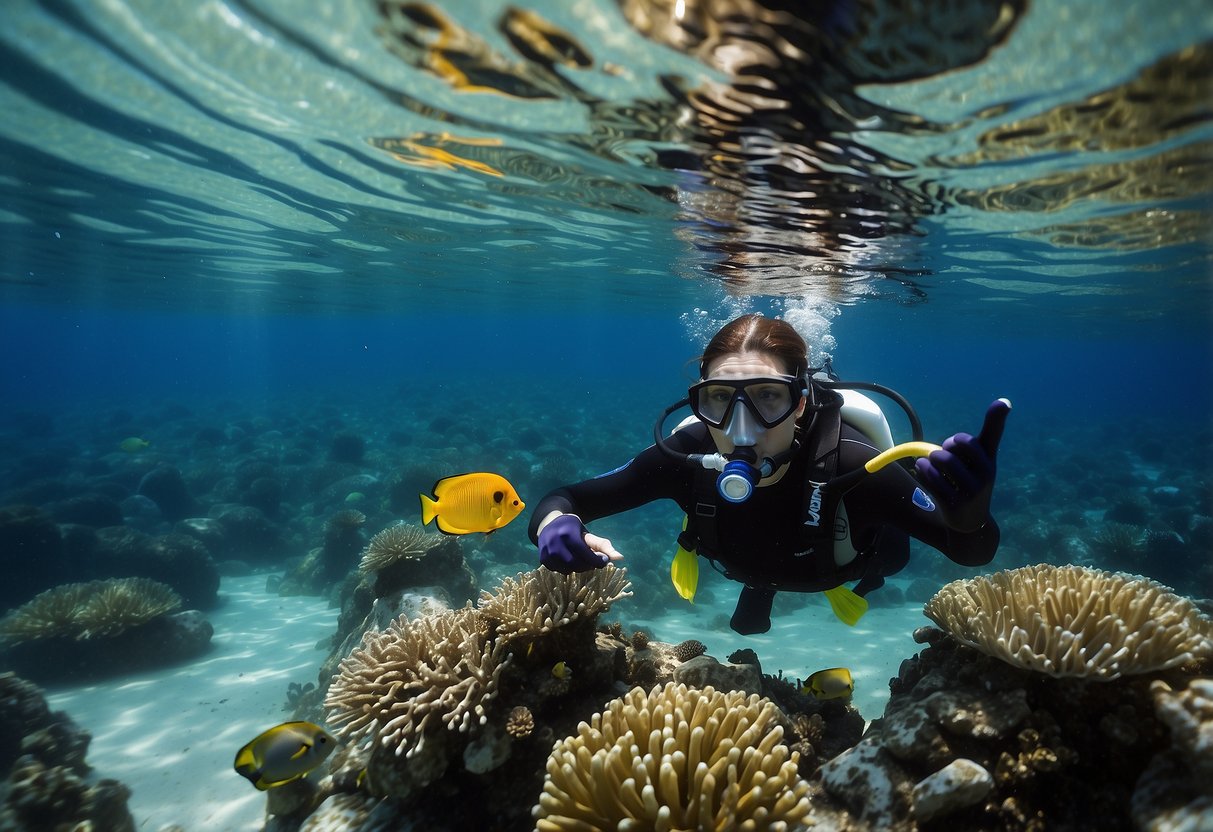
(1073, 621)
(675, 758)
(97, 609)
(400, 684)
(541, 600)
(396, 543)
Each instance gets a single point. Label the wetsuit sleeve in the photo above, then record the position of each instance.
(649, 476)
(888, 497)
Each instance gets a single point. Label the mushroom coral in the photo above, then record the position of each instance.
(1073, 621)
(675, 758)
(97, 609)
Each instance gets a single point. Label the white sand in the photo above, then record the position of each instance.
(171, 735)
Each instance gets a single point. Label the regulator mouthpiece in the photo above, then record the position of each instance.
(736, 482)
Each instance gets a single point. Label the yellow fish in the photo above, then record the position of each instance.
(562, 671)
(468, 503)
(832, 683)
(133, 444)
(284, 753)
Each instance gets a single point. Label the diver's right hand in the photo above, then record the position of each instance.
(565, 546)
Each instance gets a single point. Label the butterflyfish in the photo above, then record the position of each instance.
(133, 444)
(562, 671)
(284, 753)
(468, 503)
(832, 683)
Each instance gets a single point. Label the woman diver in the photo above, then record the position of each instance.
(779, 490)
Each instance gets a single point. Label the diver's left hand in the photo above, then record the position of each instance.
(961, 476)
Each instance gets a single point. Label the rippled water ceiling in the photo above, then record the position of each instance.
(278, 147)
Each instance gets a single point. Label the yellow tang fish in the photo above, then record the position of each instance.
(562, 671)
(284, 753)
(832, 683)
(133, 444)
(468, 503)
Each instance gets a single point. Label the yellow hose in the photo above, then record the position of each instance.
(897, 452)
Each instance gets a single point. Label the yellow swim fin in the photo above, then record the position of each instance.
(848, 606)
(684, 571)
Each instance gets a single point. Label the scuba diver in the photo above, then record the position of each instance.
(784, 483)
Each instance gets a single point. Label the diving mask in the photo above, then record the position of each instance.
(768, 399)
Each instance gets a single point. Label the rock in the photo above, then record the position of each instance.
(31, 554)
(94, 510)
(249, 533)
(958, 785)
(487, 751)
(207, 531)
(871, 784)
(166, 488)
(703, 671)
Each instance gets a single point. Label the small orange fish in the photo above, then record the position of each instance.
(468, 503)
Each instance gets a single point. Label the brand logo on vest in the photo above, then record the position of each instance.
(813, 517)
(920, 499)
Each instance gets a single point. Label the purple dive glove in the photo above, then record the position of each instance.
(961, 476)
(562, 547)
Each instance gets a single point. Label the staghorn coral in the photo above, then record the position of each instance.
(97, 609)
(396, 543)
(405, 682)
(520, 723)
(1073, 621)
(539, 601)
(675, 758)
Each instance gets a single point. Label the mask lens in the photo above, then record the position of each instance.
(712, 402)
(772, 402)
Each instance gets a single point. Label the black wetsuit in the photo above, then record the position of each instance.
(764, 541)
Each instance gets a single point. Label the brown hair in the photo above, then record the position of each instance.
(754, 333)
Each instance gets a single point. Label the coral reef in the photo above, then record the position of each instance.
(90, 610)
(395, 543)
(42, 758)
(1073, 621)
(689, 649)
(973, 742)
(675, 758)
(101, 628)
(520, 723)
(402, 685)
(537, 602)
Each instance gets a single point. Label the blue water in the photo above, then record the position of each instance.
(273, 222)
